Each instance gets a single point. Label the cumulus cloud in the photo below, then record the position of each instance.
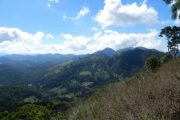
(83, 12)
(116, 13)
(51, 2)
(116, 40)
(76, 43)
(49, 37)
(113, 39)
(13, 40)
(15, 34)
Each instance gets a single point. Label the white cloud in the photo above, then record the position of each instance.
(116, 13)
(113, 39)
(49, 37)
(177, 22)
(13, 40)
(76, 43)
(15, 34)
(51, 2)
(49, 5)
(83, 12)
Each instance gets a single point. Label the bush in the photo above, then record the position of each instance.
(165, 58)
(152, 63)
(32, 112)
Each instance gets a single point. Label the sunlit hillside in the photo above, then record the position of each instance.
(146, 96)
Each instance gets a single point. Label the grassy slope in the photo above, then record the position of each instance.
(146, 96)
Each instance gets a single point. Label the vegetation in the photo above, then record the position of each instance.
(26, 87)
(175, 7)
(98, 70)
(27, 112)
(152, 63)
(146, 96)
(173, 36)
(172, 33)
(166, 57)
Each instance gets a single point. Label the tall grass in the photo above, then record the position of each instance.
(146, 96)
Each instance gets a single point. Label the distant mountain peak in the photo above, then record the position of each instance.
(124, 50)
(107, 51)
(141, 48)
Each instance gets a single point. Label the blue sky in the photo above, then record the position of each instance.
(81, 26)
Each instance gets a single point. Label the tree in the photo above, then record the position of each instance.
(173, 36)
(175, 7)
(152, 63)
(32, 112)
(173, 33)
(166, 57)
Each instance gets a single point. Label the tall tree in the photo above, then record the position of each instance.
(173, 33)
(173, 36)
(175, 7)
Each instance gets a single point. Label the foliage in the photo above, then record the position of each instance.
(32, 112)
(166, 57)
(152, 63)
(12, 96)
(27, 112)
(58, 116)
(173, 36)
(175, 7)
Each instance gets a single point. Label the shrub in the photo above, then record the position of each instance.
(32, 112)
(165, 58)
(152, 63)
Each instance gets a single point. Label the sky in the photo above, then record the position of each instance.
(81, 26)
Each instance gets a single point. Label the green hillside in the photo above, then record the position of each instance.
(146, 96)
(80, 78)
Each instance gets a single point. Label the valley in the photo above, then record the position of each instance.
(65, 79)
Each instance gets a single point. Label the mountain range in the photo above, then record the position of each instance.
(54, 78)
(25, 69)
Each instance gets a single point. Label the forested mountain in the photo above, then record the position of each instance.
(53, 79)
(51, 70)
(83, 75)
(60, 78)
